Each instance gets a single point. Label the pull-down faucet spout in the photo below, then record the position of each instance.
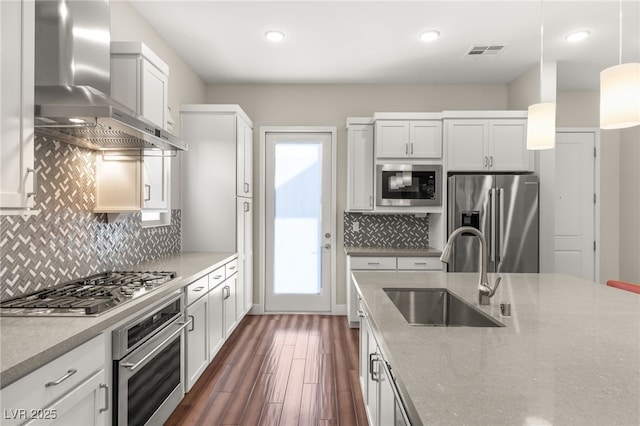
(485, 292)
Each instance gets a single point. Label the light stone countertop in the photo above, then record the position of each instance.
(569, 354)
(27, 343)
(391, 252)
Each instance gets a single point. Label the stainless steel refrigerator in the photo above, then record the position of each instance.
(505, 209)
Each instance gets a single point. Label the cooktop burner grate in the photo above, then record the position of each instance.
(87, 296)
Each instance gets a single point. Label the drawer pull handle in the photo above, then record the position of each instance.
(246, 187)
(192, 322)
(373, 263)
(198, 288)
(217, 277)
(147, 191)
(70, 373)
(232, 267)
(106, 398)
(420, 263)
(34, 183)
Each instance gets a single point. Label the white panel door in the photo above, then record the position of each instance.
(507, 146)
(299, 227)
(467, 144)
(574, 252)
(17, 173)
(360, 167)
(392, 139)
(154, 94)
(425, 139)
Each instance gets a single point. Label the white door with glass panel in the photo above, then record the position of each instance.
(298, 200)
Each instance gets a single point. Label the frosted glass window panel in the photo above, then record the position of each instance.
(298, 218)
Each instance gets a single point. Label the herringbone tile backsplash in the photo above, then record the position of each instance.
(67, 240)
(392, 230)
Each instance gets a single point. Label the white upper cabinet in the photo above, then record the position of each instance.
(360, 166)
(140, 80)
(244, 158)
(17, 172)
(408, 139)
(488, 144)
(156, 169)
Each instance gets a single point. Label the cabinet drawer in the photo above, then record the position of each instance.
(216, 277)
(197, 289)
(419, 263)
(53, 380)
(231, 268)
(383, 263)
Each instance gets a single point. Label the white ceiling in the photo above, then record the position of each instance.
(377, 42)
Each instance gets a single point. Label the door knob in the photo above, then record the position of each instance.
(327, 235)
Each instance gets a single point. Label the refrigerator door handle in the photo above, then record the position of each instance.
(500, 230)
(492, 203)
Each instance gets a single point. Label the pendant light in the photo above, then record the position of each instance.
(541, 117)
(620, 92)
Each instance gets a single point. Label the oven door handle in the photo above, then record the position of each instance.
(151, 353)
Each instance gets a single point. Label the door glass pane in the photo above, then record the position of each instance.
(298, 219)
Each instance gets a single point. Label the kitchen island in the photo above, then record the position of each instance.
(27, 343)
(568, 355)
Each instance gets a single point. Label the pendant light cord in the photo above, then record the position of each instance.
(542, 49)
(620, 33)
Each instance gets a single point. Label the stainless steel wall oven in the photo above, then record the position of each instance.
(148, 360)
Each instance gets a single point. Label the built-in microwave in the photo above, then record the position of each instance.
(408, 185)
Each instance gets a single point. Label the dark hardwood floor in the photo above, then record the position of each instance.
(280, 370)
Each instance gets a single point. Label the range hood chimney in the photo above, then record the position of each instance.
(73, 84)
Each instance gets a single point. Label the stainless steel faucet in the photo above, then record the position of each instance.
(485, 292)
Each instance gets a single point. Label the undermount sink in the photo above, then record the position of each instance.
(438, 307)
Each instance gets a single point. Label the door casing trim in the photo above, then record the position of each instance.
(259, 308)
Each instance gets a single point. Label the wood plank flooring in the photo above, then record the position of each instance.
(280, 370)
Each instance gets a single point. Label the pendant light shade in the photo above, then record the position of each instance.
(620, 96)
(541, 126)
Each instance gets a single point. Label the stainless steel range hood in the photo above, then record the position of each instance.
(73, 61)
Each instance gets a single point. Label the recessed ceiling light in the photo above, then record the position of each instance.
(577, 36)
(430, 35)
(274, 36)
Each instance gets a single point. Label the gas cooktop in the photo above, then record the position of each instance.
(90, 296)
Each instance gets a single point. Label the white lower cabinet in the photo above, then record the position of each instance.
(383, 406)
(197, 350)
(216, 312)
(70, 390)
(382, 263)
(230, 305)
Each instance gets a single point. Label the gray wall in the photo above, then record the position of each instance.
(330, 105)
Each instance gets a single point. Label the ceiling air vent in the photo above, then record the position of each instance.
(485, 51)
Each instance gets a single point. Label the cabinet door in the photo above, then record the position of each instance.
(118, 187)
(230, 305)
(156, 169)
(17, 102)
(215, 313)
(392, 139)
(245, 254)
(197, 350)
(364, 354)
(467, 145)
(508, 146)
(387, 399)
(244, 159)
(425, 138)
(360, 167)
(373, 376)
(87, 404)
(154, 96)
